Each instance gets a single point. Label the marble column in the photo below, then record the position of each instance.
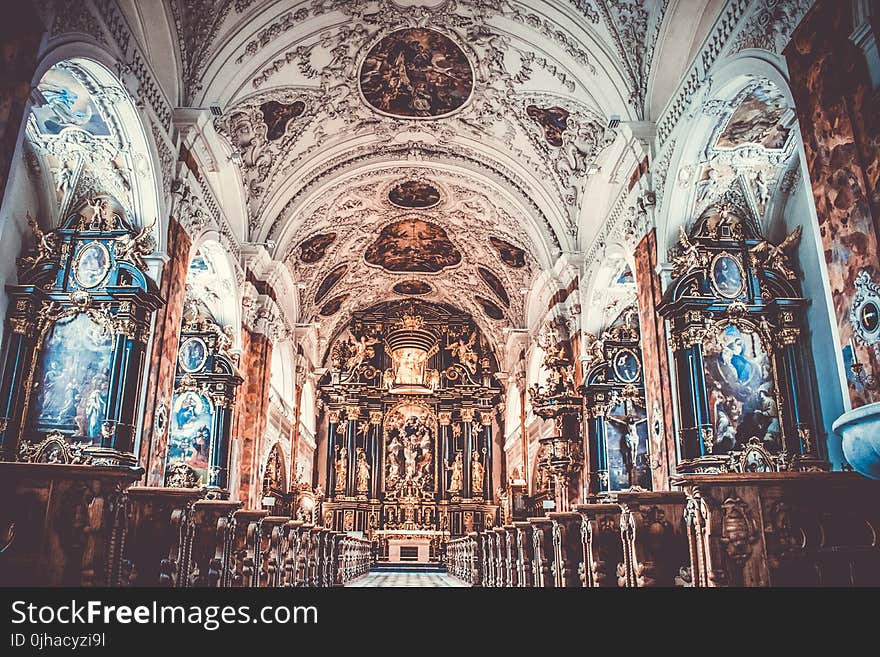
(446, 451)
(375, 452)
(352, 414)
(162, 361)
(251, 406)
(467, 431)
(655, 362)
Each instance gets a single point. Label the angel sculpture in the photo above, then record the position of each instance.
(134, 248)
(775, 258)
(689, 258)
(465, 353)
(361, 350)
(45, 244)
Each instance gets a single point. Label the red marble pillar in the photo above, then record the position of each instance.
(658, 390)
(20, 33)
(250, 414)
(163, 357)
(840, 125)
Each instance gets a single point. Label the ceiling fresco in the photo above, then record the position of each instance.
(414, 194)
(416, 73)
(413, 245)
(511, 255)
(332, 307)
(330, 281)
(495, 283)
(315, 247)
(277, 115)
(759, 119)
(412, 288)
(554, 120)
(491, 310)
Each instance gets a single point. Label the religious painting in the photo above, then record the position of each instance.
(414, 195)
(68, 104)
(412, 288)
(413, 245)
(91, 265)
(626, 277)
(277, 116)
(510, 255)
(192, 355)
(330, 281)
(554, 121)
(491, 310)
(332, 307)
(495, 284)
(409, 432)
(727, 276)
(315, 247)
(192, 423)
(408, 366)
(72, 378)
(742, 394)
(416, 73)
(626, 443)
(626, 366)
(757, 120)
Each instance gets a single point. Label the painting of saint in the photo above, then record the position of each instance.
(277, 116)
(727, 276)
(412, 245)
(91, 265)
(759, 119)
(412, 288)
(315, 248)
(416, 73)
(192, 355)
(409, 366)
(414, 194)
(72, 379)
(554, 120)
(68, 103)
(492, 311)
(741, 392)
(192, 422)
(330, 281)
(492, 280)
(510, 255)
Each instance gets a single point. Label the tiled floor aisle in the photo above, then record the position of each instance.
(407, 578)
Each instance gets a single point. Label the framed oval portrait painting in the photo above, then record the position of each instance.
(727, 276)
(626, 366)
(192, 355)
(91, 265)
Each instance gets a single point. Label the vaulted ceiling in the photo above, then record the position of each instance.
(450, 150)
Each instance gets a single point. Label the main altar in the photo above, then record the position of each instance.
(409, 404)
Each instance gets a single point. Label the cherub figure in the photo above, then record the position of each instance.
(689, 258)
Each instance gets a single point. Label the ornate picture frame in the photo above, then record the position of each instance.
(721, 282)
(90, 271)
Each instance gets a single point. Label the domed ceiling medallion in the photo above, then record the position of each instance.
(416, 73)
(412, 288)
(413, 245)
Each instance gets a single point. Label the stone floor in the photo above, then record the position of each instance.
(402, 577)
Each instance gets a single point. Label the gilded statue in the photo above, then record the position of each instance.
(689, 257)
(363, 472)
(45, 244)
(775, 258)
(341, 468)
(360, 351)
(477, 474)
(134, 247)
(465, 353)
(455, 479)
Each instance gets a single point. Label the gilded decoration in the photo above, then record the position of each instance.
(409, 434)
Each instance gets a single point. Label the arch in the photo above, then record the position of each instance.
(211, 280)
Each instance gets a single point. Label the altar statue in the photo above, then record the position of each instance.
(455, 479)
(465, 353)
(341, 468)
(477, 472)
(363, 472)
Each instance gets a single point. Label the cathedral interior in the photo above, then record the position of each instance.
(492, 293)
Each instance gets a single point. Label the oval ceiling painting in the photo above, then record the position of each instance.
(495, 283)
(489, 308)
(414, 195)
(413, 245)
(329, 281)
(416, 73)
(332, 307)
(413, 288)
(511, 255)
(315, 247)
